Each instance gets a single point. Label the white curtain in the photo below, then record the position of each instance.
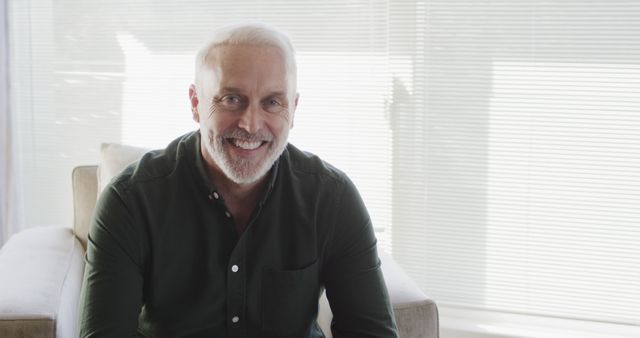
(9, 222)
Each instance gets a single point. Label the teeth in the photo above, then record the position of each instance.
(248, 145)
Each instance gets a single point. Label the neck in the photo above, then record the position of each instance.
(232, 191)
(249, 192)
(240, 199)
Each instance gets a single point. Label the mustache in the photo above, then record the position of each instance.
(244, 135)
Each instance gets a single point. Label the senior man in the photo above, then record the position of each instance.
(230, 231)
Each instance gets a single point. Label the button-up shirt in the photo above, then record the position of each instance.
(164, 258)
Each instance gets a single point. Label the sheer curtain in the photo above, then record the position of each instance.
(9, 201)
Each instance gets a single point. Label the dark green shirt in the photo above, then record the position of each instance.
(164, 258)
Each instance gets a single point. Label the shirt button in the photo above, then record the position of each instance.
(235, 319)
(228, 214)
(234, 268)
(215, 195)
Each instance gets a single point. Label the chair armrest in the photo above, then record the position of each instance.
(41, 276)
(416, 314)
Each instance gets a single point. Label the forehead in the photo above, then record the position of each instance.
(226, 53)
(246, 65)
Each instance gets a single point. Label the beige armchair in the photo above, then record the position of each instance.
(41, 270)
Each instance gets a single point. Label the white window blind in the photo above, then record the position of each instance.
(529, 160)
(496, 144)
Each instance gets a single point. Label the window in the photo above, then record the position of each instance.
(529, 170)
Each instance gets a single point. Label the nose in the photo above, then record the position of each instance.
(251, 118)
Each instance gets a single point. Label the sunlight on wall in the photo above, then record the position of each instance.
(155, 89)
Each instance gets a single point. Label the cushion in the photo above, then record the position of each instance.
(114, 158)
(40, 273)
(89, 181)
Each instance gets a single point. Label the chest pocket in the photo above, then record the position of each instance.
(289, 299)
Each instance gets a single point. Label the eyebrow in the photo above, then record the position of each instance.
(230, 89)
(277, 93)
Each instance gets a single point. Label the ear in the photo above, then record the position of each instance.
(193, 98)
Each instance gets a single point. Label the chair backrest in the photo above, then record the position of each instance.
(85, 192)
(89, 180)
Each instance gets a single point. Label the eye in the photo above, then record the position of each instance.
(230, 102)
(231, 99)
(273, 104)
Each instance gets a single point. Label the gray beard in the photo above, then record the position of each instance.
(242, 171)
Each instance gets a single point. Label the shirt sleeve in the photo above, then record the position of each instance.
(353, 279)
(111, 295)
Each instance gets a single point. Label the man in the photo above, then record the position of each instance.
(230, 231)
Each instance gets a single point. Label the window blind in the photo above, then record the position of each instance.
(524, 194)
(496, 144)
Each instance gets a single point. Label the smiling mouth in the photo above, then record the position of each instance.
(245, 144)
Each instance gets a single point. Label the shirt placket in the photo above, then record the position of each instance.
(236, 315)
(236, 275)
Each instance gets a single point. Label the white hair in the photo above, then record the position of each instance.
(255, 34)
